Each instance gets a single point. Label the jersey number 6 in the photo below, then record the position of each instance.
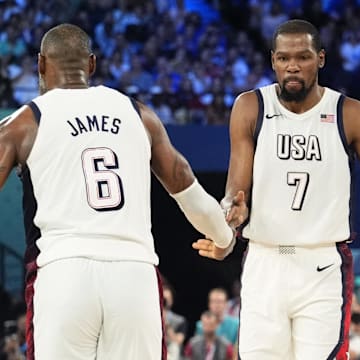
(103, 186)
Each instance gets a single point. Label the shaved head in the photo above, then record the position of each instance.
(66, 42)
(66, 59)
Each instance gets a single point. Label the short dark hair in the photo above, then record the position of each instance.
(297, 26)
(218, 290)
(208, 314)
(66, 39)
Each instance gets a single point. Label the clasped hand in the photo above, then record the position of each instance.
(235, 215)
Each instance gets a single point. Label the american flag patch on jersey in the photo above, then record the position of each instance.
(329, 118)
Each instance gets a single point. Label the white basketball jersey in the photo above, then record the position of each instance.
(90, 174)
(301, 174)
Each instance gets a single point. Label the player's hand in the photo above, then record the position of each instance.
(207, 248)
(238, 212)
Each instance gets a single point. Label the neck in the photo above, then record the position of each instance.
(67, 80)
(72, 80)
(220, 318)
(209, 337)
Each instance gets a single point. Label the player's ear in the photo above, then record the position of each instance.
(321, 58)
(272, 60)
(41, 64)
(92, 64)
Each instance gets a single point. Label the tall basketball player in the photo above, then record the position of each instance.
(86, 155)
(292, 144)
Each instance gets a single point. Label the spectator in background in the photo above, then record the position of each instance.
(271, 21)
(11, 349)
(104, 35)
(355, 306)
(354, 345)
(227, 326)
(167, 29)
(12, 43)
(118, 63)
(350, 55)
(175, 324)
(233, 304)
(293, 7)
(217, 113)
(237, 60)
(159, 103)
(173, 348)
(5, 308)
(21, 329)
(314, 12)
(137, 75)
(12, 343)
(104, 75)
(24, 81)
(6, 91)
(199, 78)
(169, 6)
(208, 345)
(188, 108)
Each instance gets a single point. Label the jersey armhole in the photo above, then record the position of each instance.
(351, 156)
(340, 125)
(137, 109)
(136, 106)
(36, 111)
(260, 116)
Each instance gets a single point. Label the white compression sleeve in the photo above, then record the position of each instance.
(204, 213)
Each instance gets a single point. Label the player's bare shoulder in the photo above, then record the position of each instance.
(153, 124)
(18, 131)
(245, 110)
(351, 120)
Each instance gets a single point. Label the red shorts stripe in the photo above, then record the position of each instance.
(342, 348)
(31, 273)
(161, 296)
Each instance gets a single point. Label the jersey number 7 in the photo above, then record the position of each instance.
(301, 181)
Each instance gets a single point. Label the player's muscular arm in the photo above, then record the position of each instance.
(7, 153)
(17, 133)
(242, 126)
(169, 166)
(351, 118)
(174, 172)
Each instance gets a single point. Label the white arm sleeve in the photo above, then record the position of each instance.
(204, 213)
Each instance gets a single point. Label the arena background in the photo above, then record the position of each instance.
(206, 146)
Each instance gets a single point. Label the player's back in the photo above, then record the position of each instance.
(89, 175)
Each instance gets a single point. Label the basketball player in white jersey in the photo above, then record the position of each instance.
(86, 155)
(292, 144)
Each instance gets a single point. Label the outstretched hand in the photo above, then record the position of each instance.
(238, 212)
(207, 248)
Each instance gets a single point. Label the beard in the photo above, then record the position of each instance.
(295, 95)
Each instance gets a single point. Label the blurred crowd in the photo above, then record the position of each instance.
(187, 66)
(12, 327)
